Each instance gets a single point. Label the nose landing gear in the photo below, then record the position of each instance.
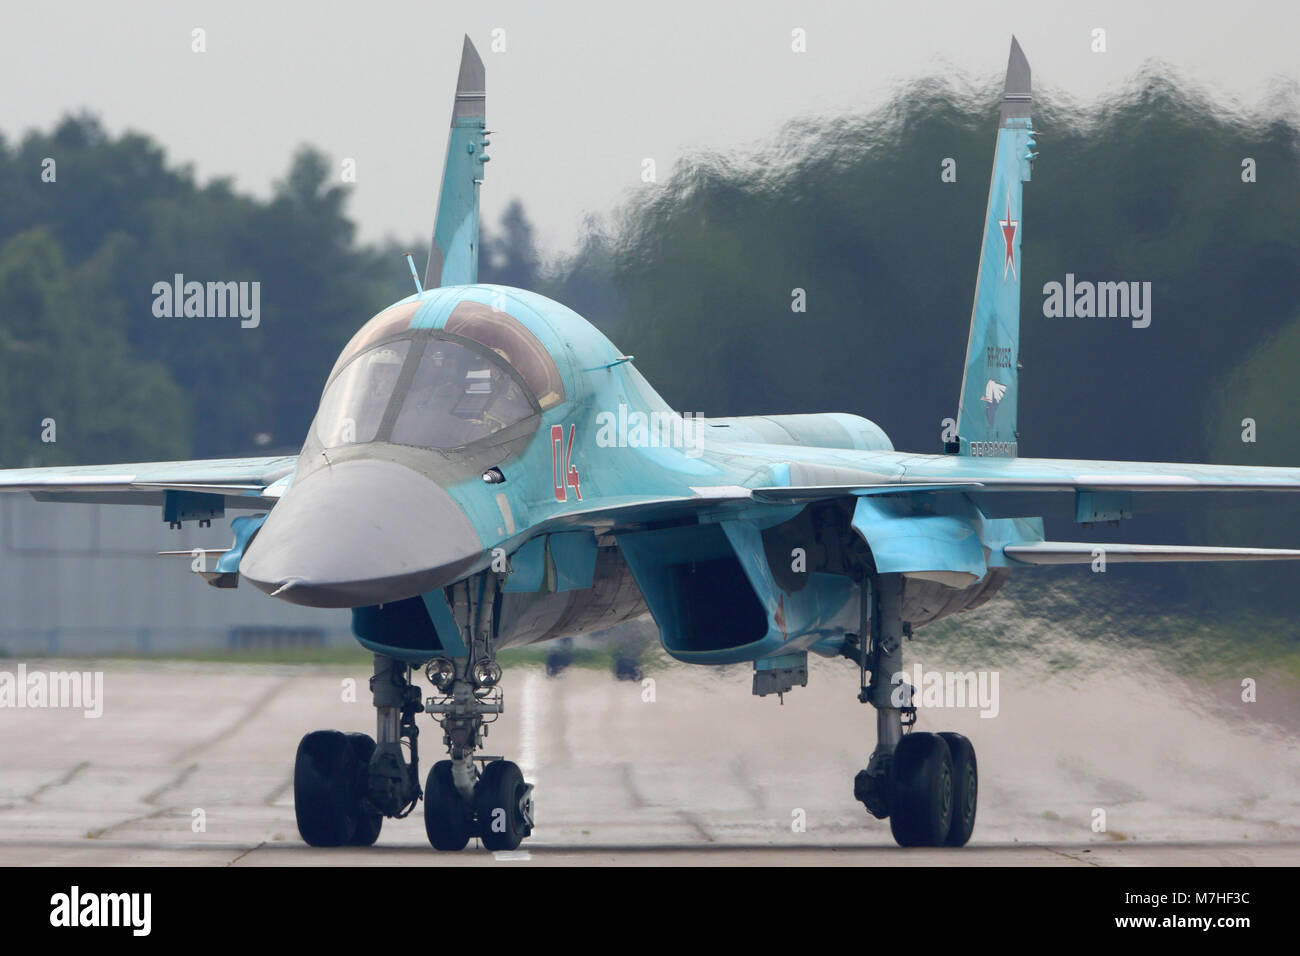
(503, 805)
(461, 801)
(500, 814)
(345, 784)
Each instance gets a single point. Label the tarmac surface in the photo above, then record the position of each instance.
(191, 764)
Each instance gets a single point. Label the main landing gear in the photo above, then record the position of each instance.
(345, 784)
(926, 784)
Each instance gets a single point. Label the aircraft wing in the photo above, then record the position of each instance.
(983, 479)
(241, 482)
(986, 477)
(1063, 474)
(1020, 488)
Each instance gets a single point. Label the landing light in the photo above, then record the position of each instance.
(442, 673)
(487, 673)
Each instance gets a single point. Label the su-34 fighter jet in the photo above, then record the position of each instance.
(462, 490)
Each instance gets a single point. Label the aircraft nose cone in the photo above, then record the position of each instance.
(360, 532)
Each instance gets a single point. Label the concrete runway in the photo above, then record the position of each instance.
(703, 774)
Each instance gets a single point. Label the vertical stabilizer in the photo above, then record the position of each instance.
(453, 255)
(986, 417)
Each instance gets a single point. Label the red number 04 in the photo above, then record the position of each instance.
(566, 473)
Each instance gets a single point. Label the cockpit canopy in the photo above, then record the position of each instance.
(483, 372)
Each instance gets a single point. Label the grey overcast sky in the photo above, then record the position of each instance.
(583, 90)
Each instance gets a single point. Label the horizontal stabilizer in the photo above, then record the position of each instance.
(1079, 552)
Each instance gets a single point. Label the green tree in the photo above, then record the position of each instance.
(59, 364)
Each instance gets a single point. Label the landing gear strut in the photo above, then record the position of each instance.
(460, 801)
(926, 784)
(345, 784)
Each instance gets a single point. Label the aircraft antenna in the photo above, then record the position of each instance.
(415, 276)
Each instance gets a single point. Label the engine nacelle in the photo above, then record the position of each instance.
(716, 599)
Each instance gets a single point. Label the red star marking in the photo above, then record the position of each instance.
(1009, 227)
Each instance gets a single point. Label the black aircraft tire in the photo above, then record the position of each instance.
(501, 824)
(922, 790)
(324, 789)
(446, 817)
(368, 823)
(965, 789)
